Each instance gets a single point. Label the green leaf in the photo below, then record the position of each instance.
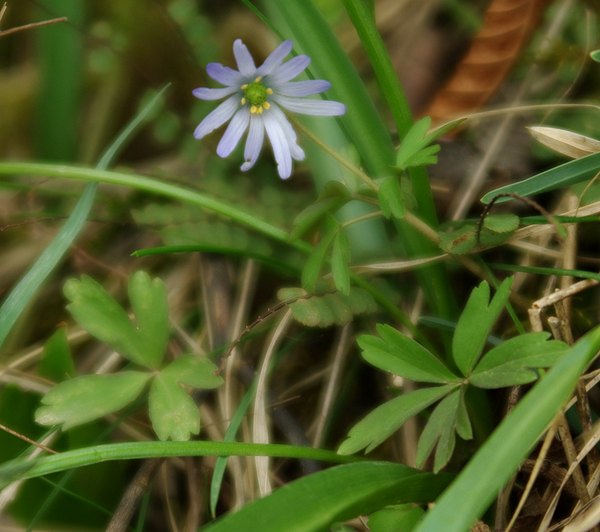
(149, 302)
(327, 309)
(562, 176)
(98, 313)
(173, 413)
(502, 223)
(414, 149)
(340, 262)
(193, 370)
(498, 459)
(333, 196)
(56, 362)
(595, 55)
(89, 397)
(476, 322)
(397, 353)
(390, 197)
(516, 361)
(387, 418)
(317, 501)
(463, 422)
(400, 517)
(459, 241)
(440, 430)
(314, 263)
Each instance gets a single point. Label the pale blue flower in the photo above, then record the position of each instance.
(254, 101)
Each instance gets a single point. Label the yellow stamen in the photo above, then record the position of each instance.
(266, 105)
(243, 101)
(269, 91)
(257, 79)
(254, 109)
(244, 86)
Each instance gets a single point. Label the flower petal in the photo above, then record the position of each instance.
(217, 117)
(275, 58)
(243, 59)
(234, 132)
(296, 151)
(281, 148)
(302, 88)
(254, 142)
(204, 93)
(224, 75)
(311, 107)
(288, 70)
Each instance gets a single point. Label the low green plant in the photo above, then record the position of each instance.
(142, 341)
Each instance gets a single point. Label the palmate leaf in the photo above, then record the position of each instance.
(173, 413)
(89, 397)
(516, 361)
(397, 353)
(387, 418)
(475, 324)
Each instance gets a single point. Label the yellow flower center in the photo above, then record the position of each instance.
(255, 95)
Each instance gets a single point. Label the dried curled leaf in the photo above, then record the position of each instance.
(506, 29)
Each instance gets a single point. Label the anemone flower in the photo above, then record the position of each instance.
(255, 101)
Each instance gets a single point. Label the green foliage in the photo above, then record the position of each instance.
(494, 231)
(561, 176)
(317, 501)
(500, 456)
(143, 341)
(325, 310)
(515, 361)
(394, 518)
(390, 198)
(89, 397)
(416, 148)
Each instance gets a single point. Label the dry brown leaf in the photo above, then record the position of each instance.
(506, 29)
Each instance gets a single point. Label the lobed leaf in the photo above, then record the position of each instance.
(387, 418)
(98, 313)
(475, 324)
(173, 413)
(440, 430)
(502, 223)
(89, 397)
(517, 360)
(149, 303)
(397, 353)
(193, 370)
